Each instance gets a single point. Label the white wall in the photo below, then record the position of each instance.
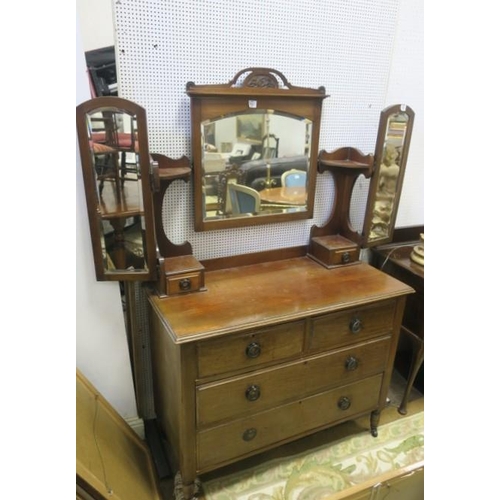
(101, 343)
(96, 22)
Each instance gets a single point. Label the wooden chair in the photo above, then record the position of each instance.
(107, 131)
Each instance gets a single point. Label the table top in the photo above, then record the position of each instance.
(253, 296)
(293, 195)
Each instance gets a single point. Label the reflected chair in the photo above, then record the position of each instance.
(270, 145)
(294, 178)
(109, 131)
(244, 200)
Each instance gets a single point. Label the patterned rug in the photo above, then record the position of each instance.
(328, 468)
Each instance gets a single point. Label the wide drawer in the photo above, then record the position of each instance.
(352, 325)
(253, 349)
(248, 435)
(271, 387)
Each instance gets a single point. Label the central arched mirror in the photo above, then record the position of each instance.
(255, 147)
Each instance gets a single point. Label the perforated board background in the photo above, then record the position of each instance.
(345, 46)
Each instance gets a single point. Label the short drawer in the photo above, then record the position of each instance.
(250, 350)
(183, 283)
(353, 325)
(272, 387)
(249, 435)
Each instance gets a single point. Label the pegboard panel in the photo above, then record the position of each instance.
(344, 46)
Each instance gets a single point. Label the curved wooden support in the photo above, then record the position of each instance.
(169, 170)
(346, 165)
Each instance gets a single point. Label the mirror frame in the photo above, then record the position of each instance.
(260, 90)
(375, 179)
(121, 105)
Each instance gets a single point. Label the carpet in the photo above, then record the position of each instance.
(328, 468)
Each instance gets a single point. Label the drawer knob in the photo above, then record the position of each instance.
(185, 284)
(351, 363)
(249, 434)
(355, 325)
(344, 403)
(346, 257)
(253, 393)
(253, 350)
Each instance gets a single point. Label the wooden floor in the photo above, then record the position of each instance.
(415, 405)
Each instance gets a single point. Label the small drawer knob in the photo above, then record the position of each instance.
(185, 284)
(355, 325)
(344, 403)
(253, 350)
(252, 393)
(346, 257)
(351, 363)
(249, 434)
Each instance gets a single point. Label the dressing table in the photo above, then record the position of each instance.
(252, 351)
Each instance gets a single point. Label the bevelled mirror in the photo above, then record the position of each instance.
(254, 149)
(112, 134)
(391, 154)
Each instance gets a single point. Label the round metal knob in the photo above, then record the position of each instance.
(355, 325)
(252, 393)
(253, 350)
(346, 257)
(249, 434)
(344, 403)
(351, 363)
(185, 284)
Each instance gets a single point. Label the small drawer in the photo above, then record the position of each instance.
(184, 283)
(271, 387)
(333, 251)
(249, 435)
(353, 325)
(253, 349)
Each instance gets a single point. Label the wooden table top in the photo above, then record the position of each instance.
(258, 295)
(285, 195)
(129, 204)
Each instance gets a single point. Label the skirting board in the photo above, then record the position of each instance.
(137, 426)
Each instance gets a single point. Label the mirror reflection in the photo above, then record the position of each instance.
(255, 163)
(384, 208)
(114, 148)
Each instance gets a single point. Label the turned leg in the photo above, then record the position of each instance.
(188, 491)
(374, 420)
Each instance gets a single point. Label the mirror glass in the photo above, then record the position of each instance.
(255, 163)
(111, 140)
(389, 177)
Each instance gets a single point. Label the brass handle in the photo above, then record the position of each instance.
(355, 325)
(249, 434)
(185, 284)
(351, 363)
(252, 393)
(253, 350)
(344, 403)
(346, 257)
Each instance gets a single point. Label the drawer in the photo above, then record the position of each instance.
(249, 435)
(271, 387)
(353, 325)
(183, 283)
(250, 350)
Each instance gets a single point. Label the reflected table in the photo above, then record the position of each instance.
(117, 205)
(284, 195)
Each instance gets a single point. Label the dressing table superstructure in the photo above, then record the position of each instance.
(271, 352)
